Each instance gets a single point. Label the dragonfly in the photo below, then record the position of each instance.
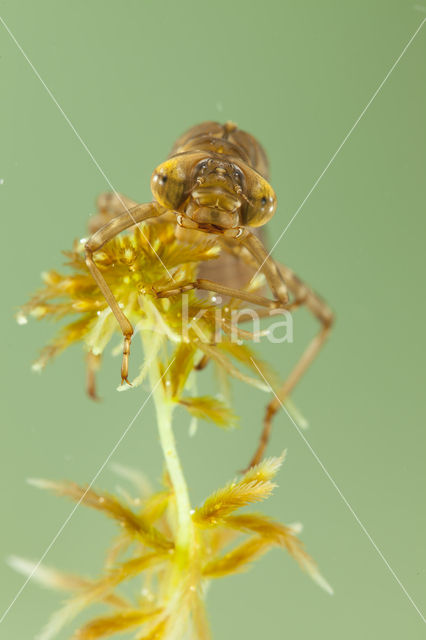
(215, 181)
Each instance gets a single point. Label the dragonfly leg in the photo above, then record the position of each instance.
(96, 241)
(281, 278)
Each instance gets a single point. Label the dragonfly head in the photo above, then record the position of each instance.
(213, 190)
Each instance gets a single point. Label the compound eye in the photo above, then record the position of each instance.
(168, 184)
(262, 205)
(159, 179)
(268, 203)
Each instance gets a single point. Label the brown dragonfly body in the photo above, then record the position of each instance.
(215, 139)
(215, 181)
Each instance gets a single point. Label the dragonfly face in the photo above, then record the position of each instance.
(215, 190)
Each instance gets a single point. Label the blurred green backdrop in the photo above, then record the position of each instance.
(132, 76)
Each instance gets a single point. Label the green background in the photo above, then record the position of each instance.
(132, 76)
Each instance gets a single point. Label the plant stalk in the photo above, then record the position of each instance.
(164, 410)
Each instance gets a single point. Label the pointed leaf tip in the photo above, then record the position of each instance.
(322, 582)
(40, 483)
